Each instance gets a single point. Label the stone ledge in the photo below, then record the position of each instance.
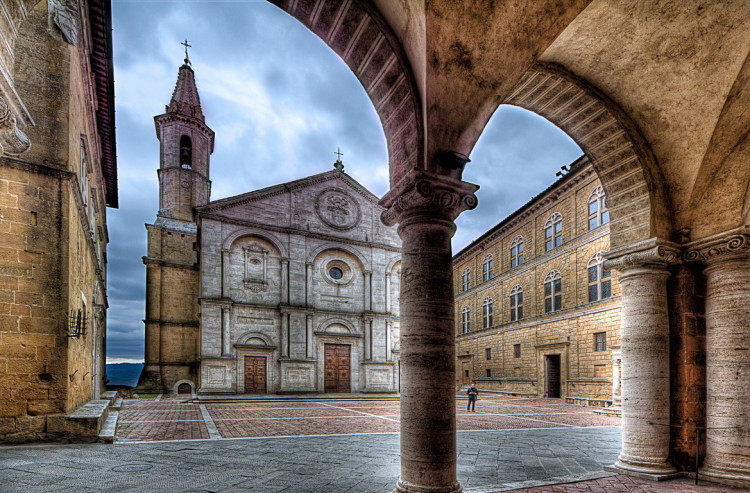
(107, 433)
(87, 420)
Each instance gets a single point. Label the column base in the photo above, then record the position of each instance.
(406, 487)
(734, 476)
(652, 470)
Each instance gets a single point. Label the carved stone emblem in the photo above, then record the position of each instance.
(63, 15)
(337, 209)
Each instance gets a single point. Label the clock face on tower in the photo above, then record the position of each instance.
(337, 209)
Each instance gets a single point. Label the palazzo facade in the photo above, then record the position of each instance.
(537, 313)
(292, 288)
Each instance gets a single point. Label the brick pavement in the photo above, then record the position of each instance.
(171, 418)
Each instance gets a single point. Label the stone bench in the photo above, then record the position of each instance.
(107, 433)
(84, 423)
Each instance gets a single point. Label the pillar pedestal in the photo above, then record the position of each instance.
(425, 206)
(727, 258)
(645, 358)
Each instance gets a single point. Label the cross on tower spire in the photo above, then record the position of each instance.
(187, 57)
(338, 164)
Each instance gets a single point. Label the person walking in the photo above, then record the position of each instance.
(473, 394)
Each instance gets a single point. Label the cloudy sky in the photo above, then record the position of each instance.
(281, 102)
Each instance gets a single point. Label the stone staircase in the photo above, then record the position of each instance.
(94, 421)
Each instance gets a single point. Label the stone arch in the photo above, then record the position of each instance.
(396, 261)
(181, 383)
(247, 337)
(364, 263)
(265, 235)
(336, 321)
(356, 31)
(635, 189)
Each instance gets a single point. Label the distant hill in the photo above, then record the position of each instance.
(125, 374)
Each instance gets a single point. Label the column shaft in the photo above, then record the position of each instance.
(645, 371)
(428, 398)
(728, 371)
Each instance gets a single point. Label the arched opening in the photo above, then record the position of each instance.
(186, 152)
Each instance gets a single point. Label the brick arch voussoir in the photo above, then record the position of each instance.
(626, 167)
(360, 36)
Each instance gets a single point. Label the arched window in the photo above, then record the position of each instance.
(488, 268)
(516, 303)
(598, 212)
(186, 152)
(516, 251)
(552, 291)
(466, 280)
(466, 320)
(553, 232)
(487, 313)
(600, 282)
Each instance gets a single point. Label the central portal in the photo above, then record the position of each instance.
(337, 365)
(553, 375)
(255, 374)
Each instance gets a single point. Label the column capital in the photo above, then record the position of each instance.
(284, 260)
(423, 194)
(653, 253)
(729, 245)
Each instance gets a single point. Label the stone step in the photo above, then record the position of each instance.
(86, 421)
(107, 433)
(117, 405)
(109, 395)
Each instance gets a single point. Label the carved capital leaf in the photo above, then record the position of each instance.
(729, 245)
(650, 253)
(430, 195)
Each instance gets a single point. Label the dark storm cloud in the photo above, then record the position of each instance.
(281, 102)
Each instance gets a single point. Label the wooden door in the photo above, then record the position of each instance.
(255, 374)
(553, 375)
(337, 365)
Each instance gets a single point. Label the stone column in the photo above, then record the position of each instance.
(368, 291)
(309, 337)
(425, 206)
(285, 280)
(388, 292)
(645, 357)
(727, 355)
(308, 284)
(367, 337)
(226, 340)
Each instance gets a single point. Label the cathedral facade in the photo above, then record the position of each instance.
(537, 313)
(292, 288)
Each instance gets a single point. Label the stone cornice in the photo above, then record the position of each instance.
(299, 232)
(725, 246)
(423, 194)
(538, 203)
(648, 253)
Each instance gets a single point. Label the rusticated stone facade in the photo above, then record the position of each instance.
(293, 288)
(57, 177)
(529, 318)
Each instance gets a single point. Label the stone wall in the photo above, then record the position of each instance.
(568, 332)
(54, 236)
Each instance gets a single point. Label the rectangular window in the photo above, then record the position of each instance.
(548, 245)
(600, 341)
(516, 350)
(488, 372)
(520, 253)
(488, 353)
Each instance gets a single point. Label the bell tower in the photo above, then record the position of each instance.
(172, 279)
(186, 147)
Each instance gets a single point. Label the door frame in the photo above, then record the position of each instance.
(272, 384)
(356, 374)
(350, 365)
(544, 350)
